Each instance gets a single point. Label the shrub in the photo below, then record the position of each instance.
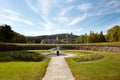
(27, 56)
(89, 57)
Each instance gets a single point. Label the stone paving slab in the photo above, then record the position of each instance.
(58, 70)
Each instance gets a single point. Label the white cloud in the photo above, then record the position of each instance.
(78, 19)
(104, 7)
(17, 19)
(65, 10)
(84, 6)
(11, 12)
(14, 16)
(45, 6)
(32, 7)
(42, 6)
(113, 6)
(63, 17)
(47, 23)
(26, 21)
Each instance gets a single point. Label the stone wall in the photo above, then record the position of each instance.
(101, 48)
(104, 48)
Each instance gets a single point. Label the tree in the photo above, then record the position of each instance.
(113, 34)
(92, 37)
(6, 34)
(101, 37)
(85, 38)
(18, 38)
(82, 38)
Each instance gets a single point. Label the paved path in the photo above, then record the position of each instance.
(58, 69)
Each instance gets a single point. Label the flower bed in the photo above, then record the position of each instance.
(27, 56)
(88, 57)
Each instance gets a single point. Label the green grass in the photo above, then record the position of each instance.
(11, 69)
(107, 68)
(100, 43)
(105, 43)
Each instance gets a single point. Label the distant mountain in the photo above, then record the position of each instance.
(38, 39)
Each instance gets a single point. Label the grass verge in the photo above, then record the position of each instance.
(100, 43)
(107, 68)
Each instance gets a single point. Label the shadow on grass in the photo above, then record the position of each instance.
(5, 56)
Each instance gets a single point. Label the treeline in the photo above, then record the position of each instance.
(10, 36)
(113, 35)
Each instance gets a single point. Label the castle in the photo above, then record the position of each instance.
(67, 40)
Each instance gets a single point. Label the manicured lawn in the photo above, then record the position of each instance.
(107, 68)
(12, 69)
(100, 43)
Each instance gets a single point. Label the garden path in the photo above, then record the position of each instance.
(58, 69)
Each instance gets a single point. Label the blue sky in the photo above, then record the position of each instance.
(45, 17)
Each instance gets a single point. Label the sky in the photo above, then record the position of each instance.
(46, 17)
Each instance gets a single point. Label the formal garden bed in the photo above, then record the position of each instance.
(27, 56)
(88, 57)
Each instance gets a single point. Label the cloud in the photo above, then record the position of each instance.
(14, 16)
(17, 19)
(112, 6)
(45, 6)
(42, 6)
(32, 7)
(47, 24)
(78, 19)
(62, 17)
(11, 12)
(65, 10)
(105, 7)
(84, 6)
(44, 9)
